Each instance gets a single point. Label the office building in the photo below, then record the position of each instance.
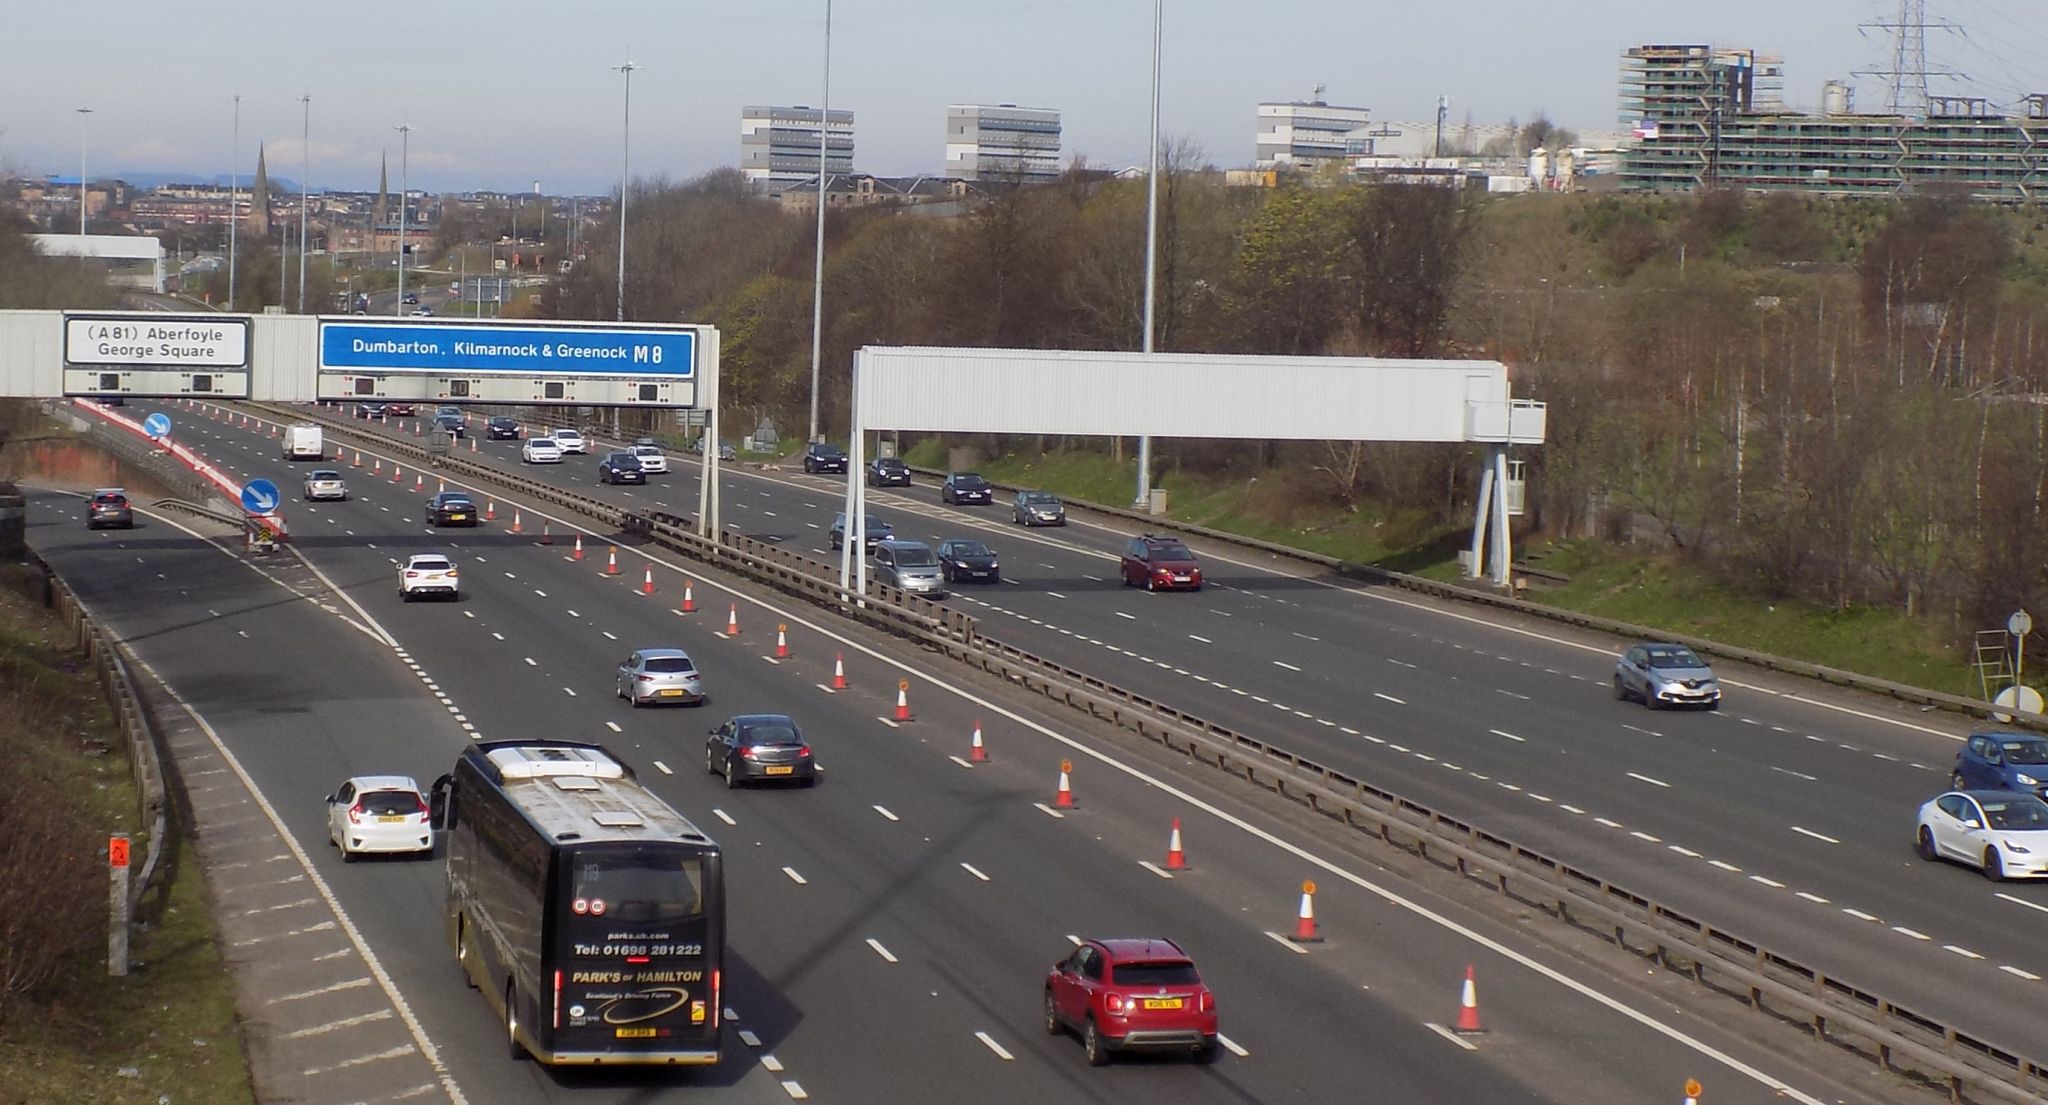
(1704, 117)
(779, 145)
(1003, 142)
(1301, 135)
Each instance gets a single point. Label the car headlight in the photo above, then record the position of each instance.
(2016, 849)
(2025, 779)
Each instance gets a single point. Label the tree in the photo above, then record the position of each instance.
(1404, 248)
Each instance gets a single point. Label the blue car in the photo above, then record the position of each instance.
(2003, 761)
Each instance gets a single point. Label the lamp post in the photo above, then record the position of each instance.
(82, 113)
(234, 198)
(404, 188)
(625, 168)
(1151, 249)
(305, 170)
(818, 265)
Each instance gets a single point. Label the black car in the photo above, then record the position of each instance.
(399, 410)
(823, 456)
(766, 747)
(618, 468)
(962, 488)
(963, 558)
(878, 530)
(453, 423)
(452, 508)
(410, 298)
(367, 409)
(109, 507)
(502, 428)
(888, 472)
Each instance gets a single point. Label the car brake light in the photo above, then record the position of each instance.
(355, 814)
(1208, 1002)
(410, 574)
(645, 678)
(1116, 1003)
(424, 810)
(803, 750)
(747, 753)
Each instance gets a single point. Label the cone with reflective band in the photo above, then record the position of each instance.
(547, 536)
(975, 752)
(397, 472)
(443, 487)
(732, 620)
(903, 700)
(472, 445)
(782, 642)
(647, 585)
(516, 521)
(839, 671)
(416, 430)
(1305, 920)
(1468, 1007)
(419, 483)
(1176, 860)
(377, 466)
(689, 597)
(1065, 798)
(358, 463)
(577, 553)
(490, 510)
(611, 564)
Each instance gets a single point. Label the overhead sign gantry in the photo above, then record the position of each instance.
(146, 353)
(510, 362)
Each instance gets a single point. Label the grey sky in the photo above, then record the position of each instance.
(505, 93)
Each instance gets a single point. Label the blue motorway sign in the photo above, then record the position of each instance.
(157, 426)
(486, 348)
(260, 497)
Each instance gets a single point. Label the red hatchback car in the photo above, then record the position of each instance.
(1124, 995)
(1160, 564)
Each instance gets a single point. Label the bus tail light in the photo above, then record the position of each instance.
(715, 1006)
(558, 999)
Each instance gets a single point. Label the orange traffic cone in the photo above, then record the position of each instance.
(577, 554)
(416, 430)
(611, 566)
(732, 620)
(443, 487)
(472, 445)
(1065, 799)
(975, 752)
(647, 585)
(903, 700)
(547, 535)
(419, 483)
(1468, 1007)
(1176, 860)
(490, 510)
(516, 527)
(358, 463)
(689, 598)
(782, 642)
(839, 671)
(376, 466)
(1305, 922)
(397, 472)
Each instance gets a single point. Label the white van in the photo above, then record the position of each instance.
(303, 443)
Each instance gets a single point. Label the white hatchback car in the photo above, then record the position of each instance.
(652, 459)
(378, 813)
(427, 574)
(541, 450)
(2003, 833)
(571, 441)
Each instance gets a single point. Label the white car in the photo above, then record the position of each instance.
(378, 813)
(652, 460)
(571, 441)
(325, 483)
(427, 574)
(2002, 832)
(541, 450)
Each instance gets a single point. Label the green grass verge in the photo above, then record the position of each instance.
(1625, 584)
(84, 1038)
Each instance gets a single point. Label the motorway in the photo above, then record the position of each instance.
(893, 924)
(1785, 817)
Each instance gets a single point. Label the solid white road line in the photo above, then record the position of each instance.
(1048, 810)
(1232, 1046)
(1286, 943)
(1452, 1036)
(1155, 869)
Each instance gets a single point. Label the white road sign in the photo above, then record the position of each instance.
(195, 341)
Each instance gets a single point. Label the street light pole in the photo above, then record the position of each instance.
(625, 178)
(1151, 249)
(818, 265)
(234, 198)
(82, 113)
(305, 171)
(404, 189)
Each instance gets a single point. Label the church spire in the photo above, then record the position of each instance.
(259, 198)
(383, 192)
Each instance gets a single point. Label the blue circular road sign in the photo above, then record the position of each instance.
(157, 426)
(260, 497)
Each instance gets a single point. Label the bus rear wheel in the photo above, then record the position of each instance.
(514, 1049)
(465, 955)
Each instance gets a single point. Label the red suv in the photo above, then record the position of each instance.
(1131, 994)
(1160, 564)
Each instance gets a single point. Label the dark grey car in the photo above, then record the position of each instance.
(1663, 674)
(878, 530)
(963, 558)
(767, 747)
(1038, 508)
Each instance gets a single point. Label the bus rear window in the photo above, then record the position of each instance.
(640, 888)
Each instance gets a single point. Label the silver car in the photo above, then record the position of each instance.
(1663, 675)
(325, 483)
(909, 566)
(1038, 508)
(660, 675)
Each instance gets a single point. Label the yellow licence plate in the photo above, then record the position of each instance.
(633, 1033)
(457, 516)
(1162, 1003)
(671, 692)
(390, 820)
(781, 770)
